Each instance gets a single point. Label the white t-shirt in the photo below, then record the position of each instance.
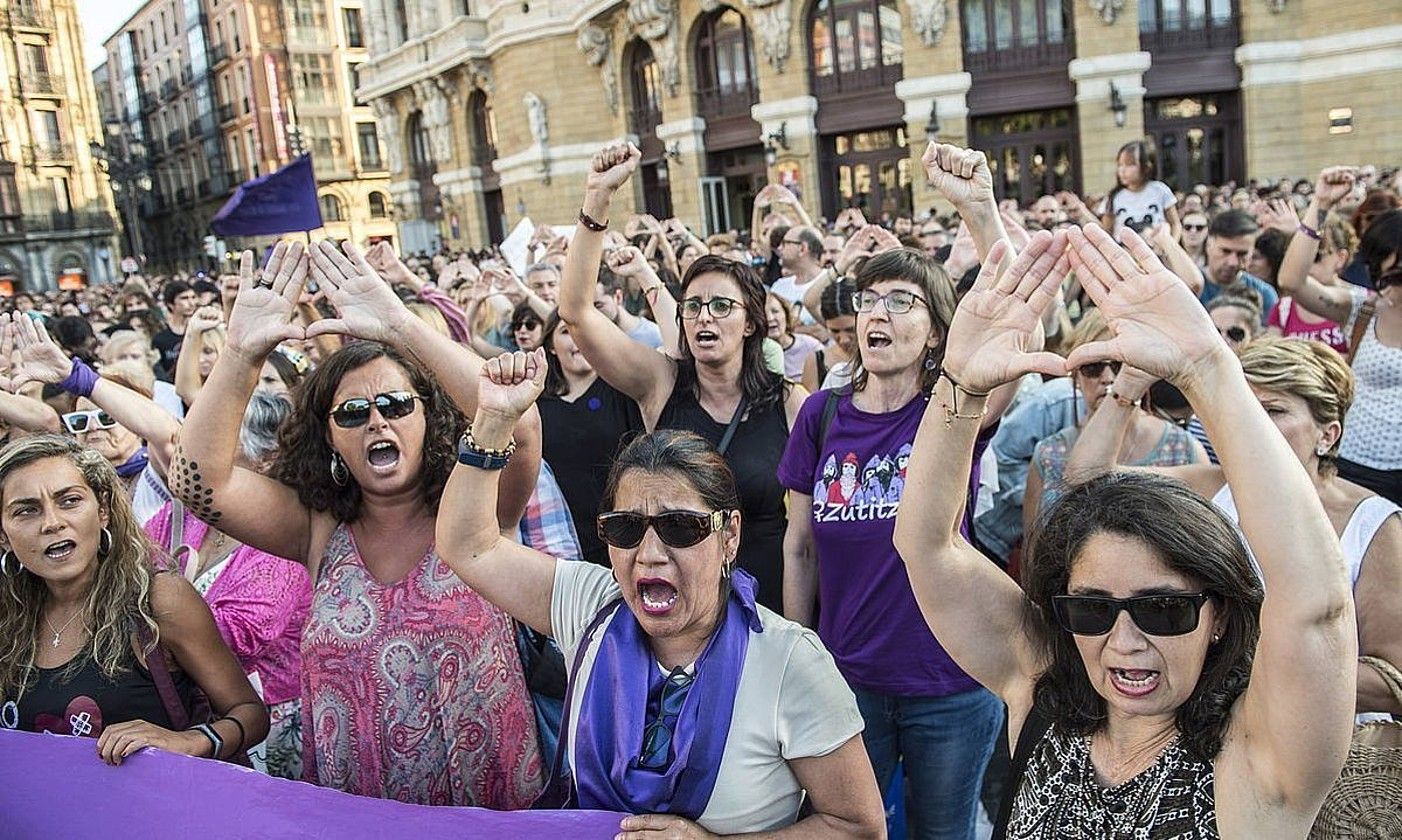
(791, 290)
(646, 332)
(791, 703)
(1141, 210)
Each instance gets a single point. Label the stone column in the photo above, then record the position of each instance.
(687, 137)
(1101, 137)
(945, 97)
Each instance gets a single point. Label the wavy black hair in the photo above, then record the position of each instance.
(1191, 537)
(760, 385)
(304, 447)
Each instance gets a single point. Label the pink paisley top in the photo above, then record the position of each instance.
(260, 605)
(414, 690)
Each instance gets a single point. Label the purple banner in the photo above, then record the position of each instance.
(54, 786)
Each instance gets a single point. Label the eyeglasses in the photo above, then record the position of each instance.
(1195, 228)
(657, 738)
(78, 422)
(1157, 615)
(676, 528)
(356, 410)
(898, 302)
(1094, 370)
(719, 307)
(1234, 334)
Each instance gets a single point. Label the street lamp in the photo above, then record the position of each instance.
(1118, 106)
(127, 172)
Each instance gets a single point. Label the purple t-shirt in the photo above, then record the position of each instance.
(868, 618)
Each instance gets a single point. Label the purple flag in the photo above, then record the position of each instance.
(56, 786)
(279, 202)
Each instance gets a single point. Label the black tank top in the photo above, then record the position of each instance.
(580, 441)
(86, 702)
(753, 456)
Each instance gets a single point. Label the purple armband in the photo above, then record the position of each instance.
(81, 380)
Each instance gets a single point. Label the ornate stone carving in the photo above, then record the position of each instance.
(655, 21)
(434, 97)
(596, 43)
(773, 23)
(387, 121)
(1107, 9)
(479, 75)
(536, 118)
(930, 18)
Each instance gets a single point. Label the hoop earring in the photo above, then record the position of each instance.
(5, 563)
(339, 473)
(930, 363)
(104, 543)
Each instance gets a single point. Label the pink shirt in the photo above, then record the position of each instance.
(260, 605)
(1295, 326)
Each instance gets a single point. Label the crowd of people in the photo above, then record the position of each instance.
(970, 515)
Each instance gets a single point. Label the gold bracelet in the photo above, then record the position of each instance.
(951, 412)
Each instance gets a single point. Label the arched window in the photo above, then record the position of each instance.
(331, 210)
(379, 207)
(725, 65)
(420, 149)
(854, 44)
(644, 89)
(483, 129)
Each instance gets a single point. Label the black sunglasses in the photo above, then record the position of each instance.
(1157, 615)
(356, 410)
(677, 528)
(1093, 370)
(1195, 228)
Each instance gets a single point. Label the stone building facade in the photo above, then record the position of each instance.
(56, 214)
(206, 94)
(491, 110)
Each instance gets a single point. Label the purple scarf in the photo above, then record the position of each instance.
(134, 465)
(613, 715)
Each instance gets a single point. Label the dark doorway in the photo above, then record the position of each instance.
(1031, 153)
(1198, 138)
(733, 179)
(868, 169)
(494, 206)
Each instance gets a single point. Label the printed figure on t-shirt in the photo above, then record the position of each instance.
(820, 488)
(898, 480)
(842, 491)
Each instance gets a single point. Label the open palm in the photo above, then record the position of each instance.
(996, 327)
(1158, 325)
(365, 305)
(40, 357)
(267, 300)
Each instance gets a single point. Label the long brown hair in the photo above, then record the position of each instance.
(119, 602)
(761, 386)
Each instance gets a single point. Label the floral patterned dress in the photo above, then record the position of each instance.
(414, 690)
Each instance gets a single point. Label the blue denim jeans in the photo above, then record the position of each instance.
(944, 744)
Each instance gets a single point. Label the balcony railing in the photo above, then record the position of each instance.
(60, 220)
(218, 54)
(49, 83)
(307, 36)
(879, 77)
(175, 138)
(182, 195)
(31, 16)
(168, 88)
(226, 111)
(725, 102)
(48, 152)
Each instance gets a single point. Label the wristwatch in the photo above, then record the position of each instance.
(472, 455)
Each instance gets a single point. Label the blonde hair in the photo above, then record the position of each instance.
(121, 341)
(429, 314)
(119, 601)
(215, 339)
(1337, 235)
(1310, 370)
(1091, 327)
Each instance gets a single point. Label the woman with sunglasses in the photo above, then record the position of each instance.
(1371, 451)
(690, 705)
(1194, 237)
(1306, 389)
(403, 667)
(1148, 440)
(98, 641)
(720, 388)
(1151, 690)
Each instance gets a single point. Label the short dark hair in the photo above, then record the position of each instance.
(610, 280)
(204, 287)
(836, 299)
(1230, 224)
(524, 314)
(811, 239)
(911, 265)
(1271, 245)
(1191, 537)
(685, 454)
(173, 290)
(1382, 239)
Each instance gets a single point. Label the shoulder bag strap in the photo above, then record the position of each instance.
(734, 424)
(829, 412)
(1034, 726)
(606, 612)
(1392, 678)
(160, 675)
(1360, 327)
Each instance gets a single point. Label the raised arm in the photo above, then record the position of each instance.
(367, 308)
(187, 365)
(1178, 260)
(971, 605)
(1332, 302)
(647, 378)
(42, 360)
(517, 579)
(249, 507)
(1295, 719)
(962, 176)
(629, 262)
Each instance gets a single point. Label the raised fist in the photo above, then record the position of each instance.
(612, 166)
(961, 175)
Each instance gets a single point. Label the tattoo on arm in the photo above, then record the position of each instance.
(188, 485)
(1319, 215)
